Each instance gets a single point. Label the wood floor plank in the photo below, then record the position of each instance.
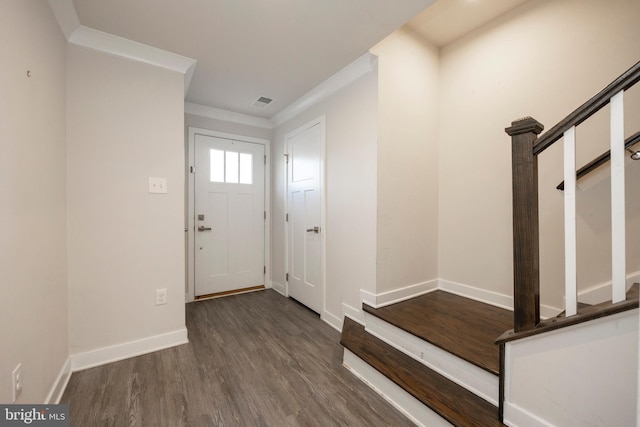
(458, 325)
(451, 401)
(256, 359)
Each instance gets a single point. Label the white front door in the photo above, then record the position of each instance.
(304, 210)
(229, 215)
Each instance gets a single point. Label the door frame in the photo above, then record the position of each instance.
(190, 202)
(321, 121)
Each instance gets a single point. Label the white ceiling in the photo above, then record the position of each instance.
(279, 49)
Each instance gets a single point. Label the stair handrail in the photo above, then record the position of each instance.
(526, 146)
(589, 108)
(602, 159)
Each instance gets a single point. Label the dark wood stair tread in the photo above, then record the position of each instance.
(461, 326)
(451, 401)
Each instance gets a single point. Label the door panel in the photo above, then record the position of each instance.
(305, 242)
(229, 215)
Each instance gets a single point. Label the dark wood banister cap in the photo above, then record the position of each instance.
(524, 125)
(590, 313)
(586, 110)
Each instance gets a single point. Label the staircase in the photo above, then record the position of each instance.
(438, 349)
(447, 360)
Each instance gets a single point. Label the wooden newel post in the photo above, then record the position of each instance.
(526, 235)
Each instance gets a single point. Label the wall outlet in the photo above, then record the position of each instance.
(16, 380)
(161, 296)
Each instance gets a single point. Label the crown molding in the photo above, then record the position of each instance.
(226, 115)
(358, 68)
(79, 35)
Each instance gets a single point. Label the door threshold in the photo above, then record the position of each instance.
(228, 293)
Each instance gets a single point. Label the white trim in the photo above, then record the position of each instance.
(353, 313)
(602, 291)
(125, 48)
(368, 298)
(114, 353)
(322, 121)
(193, 131)
(515, 416)
(398, 295)
(279, 288)
(60, 384)
(78, 34)
(482, 295)
(618, 220)
(333, 84)
(411, 407)
(490, 297)
(65, 13)
(473, 378)
(477, 294)
(226, 115)
(332, 320)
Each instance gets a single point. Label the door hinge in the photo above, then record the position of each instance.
(286, 278)
(286, 217)
(265, 159)
(265, 214)
(265, 269)
(286, 158)
(192, 169)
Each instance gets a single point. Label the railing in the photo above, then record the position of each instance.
(604, 158)
(526, 147)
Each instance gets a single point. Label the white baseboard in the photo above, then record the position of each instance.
(477, 294)
(602, 291)
(353, 313)
(398, 295)
(515, 416)
(491, 298)
(279, 288)
(334, 321)
(411, 407)
(60, 384)
(126, 350)
(368, 298)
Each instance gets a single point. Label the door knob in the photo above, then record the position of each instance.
(314, 230)
(202, 228)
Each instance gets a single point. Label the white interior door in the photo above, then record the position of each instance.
(229, 215)
(304, 210)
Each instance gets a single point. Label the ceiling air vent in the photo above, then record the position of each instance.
(262, 102)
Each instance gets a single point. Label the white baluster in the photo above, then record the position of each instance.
(618, 266)
(570, 270)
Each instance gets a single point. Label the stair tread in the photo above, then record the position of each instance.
(459, 325)
(451, 401)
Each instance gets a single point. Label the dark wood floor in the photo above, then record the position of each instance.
(255, 359)
(458, 325)
(454, 403)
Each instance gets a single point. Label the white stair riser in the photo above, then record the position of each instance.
(392, 393)
(475, 379)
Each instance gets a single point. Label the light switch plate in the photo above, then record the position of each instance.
(157, 185)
